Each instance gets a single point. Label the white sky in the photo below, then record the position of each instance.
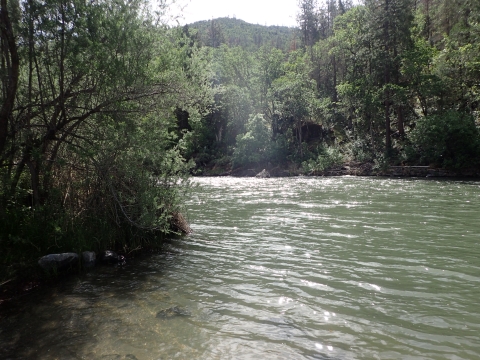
(263, 12)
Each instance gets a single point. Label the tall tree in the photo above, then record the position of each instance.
(9, 71)
(308, 21)
(389, 23)
(215, 35)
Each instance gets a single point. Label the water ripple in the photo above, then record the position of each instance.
(304, 268)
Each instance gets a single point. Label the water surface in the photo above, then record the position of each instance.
(297, 268)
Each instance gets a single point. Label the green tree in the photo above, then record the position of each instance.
(358, 94)
(254, 146)
(391, 40)
(293, 99)
(269, 67)
(308, 21)
(215, 35)
(92, 149)
(449, 140)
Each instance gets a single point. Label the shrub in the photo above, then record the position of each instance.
(328, 158)
(449, 140)
(359, 150)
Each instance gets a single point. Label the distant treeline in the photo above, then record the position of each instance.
(235, 32)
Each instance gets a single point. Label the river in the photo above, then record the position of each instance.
(295, 268)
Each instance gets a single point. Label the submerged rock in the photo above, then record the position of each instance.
(172, 312)
(111, 257)
(263, 174)
(58, 261)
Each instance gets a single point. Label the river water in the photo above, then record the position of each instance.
(296, 268)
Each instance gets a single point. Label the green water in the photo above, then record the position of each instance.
(297, 268)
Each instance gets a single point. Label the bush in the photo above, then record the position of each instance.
(359, 150)
(328, 158)
(449, 140)
(381, 162)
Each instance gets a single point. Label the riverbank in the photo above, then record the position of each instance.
(20, 276)
(24, 273)
(347, 169)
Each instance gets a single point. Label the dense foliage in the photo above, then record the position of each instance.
(385, 81)
(90, 152)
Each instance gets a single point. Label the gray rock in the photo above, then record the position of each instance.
(111, 257)
(263, 174)
(172, 312)
(88, 258)
(58, 261)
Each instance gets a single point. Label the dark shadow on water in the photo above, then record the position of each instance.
(60, 321)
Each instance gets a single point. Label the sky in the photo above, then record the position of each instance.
(263, 12)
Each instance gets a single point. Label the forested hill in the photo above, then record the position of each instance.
(236, 32)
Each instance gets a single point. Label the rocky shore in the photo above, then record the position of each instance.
(56, 266)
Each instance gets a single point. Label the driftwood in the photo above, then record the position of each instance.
(6, 282)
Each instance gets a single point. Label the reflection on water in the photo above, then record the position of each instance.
(325, 268)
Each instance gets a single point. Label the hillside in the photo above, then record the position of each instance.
(236, 32)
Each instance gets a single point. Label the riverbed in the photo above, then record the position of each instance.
(291, 268)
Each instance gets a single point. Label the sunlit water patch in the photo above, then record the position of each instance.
(298, 268)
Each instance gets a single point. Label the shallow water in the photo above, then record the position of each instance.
(296, 268)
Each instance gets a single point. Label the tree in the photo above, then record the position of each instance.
(308, 22)
(269, 67)
(293, 100)
(76, 69)
(254, 146)
(215, 35)
(9, 71)
(450, 140)
(91, 140)
(358, 97)
(389, 23)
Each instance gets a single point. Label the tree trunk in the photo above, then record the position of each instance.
(35, 178)
(9, 53)
(335, 94)
(401, 121)
(386, 31)
(299, 130)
